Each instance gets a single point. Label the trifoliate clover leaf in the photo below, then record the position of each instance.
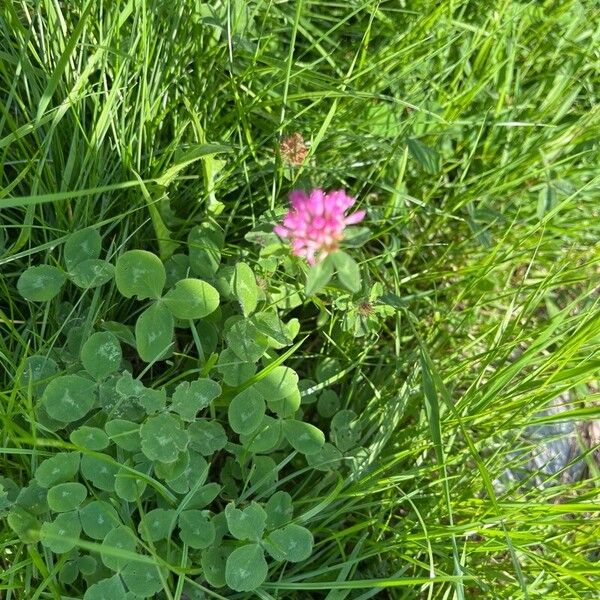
(66, 497)
(347, 270)
(41, 283)
(279, 509)
(62, 534)
(292, 542)
(190, 397)
(124, 434)
(246, 568)
(92, 438)
(69, 398)
(142, 579)
(163, 438)
(154, 333)
(277, 383)
(92, 273)
(196, 529)
(82, 245)
(246, 411)
(140, 273)
(191, 299)
(101, 354)
(157, 524)
(98, 518)
(246, 524)
(207, 437)
(60, 468)
(106, 589)
(116, 545)
(304, 437)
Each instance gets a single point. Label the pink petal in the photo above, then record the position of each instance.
(281, 231)
(356, 217)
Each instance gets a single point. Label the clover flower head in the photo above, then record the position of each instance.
(315, 222)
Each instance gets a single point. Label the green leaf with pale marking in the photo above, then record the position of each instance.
(142, 579)
(140, 273)
(196, 529)
(41, 283)
(246, 524)
(82, 245)
(92, 273)
(60, 468)
(207, 437)
(246, 568)
(190, 397)
(244, 287)
(213, 563)
(191, 299)
(157, 524)
(62, 534)
(163, 437)
(292, 542)
(279, 509)
(98, 518)
(92, 438)
(277, 383)
(117, 541)
(304, 437)
(66, 497)
(69, 398)
(101, 354)
(154, 333)
(106, 589)
(246, 411)
(125, 434)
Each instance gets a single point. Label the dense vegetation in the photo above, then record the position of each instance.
(467, 130)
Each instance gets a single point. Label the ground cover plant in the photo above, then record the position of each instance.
(299, 299)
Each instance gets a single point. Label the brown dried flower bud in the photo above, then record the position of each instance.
(293, 150)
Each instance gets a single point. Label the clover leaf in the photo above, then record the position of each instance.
(101, 354)
(115, 544)
(66, 497)
(246, 568)
(292, 542)
(196, 529)
(246, 524)
(69, 398)
(304, 437)
(244, 287)
(140, 273)
(246, 411)
(62, 534)
(41, 283)
(154, 333)
(191, 299)
(279, 509)
(92, 273)
(191, 397)
(60, 468)
(106, 589)
(98, 518)
(157, 524)
(82, 245)
(163, 438)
